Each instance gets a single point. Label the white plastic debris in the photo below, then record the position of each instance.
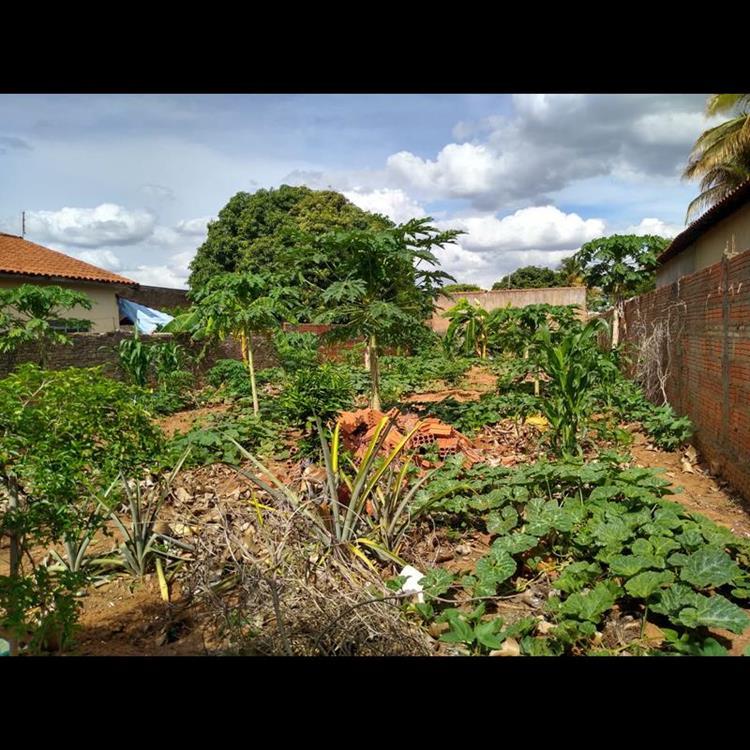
(411, 584)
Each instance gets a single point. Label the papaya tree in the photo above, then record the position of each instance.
(33, 314)
(384, 285)
(621, 265)
(237, 305)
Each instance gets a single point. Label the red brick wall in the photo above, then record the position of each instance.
(710, 351)
(94, 349)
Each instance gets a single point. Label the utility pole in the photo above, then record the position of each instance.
(23, 224)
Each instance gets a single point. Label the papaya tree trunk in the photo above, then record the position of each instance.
(247, 359)
(374, 372)
(536, 380)
(616, 325)
(15, 553)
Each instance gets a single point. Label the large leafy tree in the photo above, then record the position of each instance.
(621, 265)
(452, 288)
(528, 277)
(33, 314)
(256, 231)
(384, 285)
(720, 158)
(238, 305)
(467, 332)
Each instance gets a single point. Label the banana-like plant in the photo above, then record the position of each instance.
(467, 332)
(364, 505)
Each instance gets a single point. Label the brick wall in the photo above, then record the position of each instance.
(93, 349)
(709, 319)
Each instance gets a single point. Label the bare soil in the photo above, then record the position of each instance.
(182, 421)
(126, 617)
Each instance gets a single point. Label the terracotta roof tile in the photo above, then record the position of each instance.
(19, 256)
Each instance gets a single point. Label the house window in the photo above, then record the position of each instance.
(71, 325)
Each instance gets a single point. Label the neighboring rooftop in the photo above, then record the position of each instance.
(726, 206)
(24, 258)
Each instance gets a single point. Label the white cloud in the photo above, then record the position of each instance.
(173, 275)
(160, 192)
(196, 227)
(107, 224)
(551, 142)
(102, 258)
(655, 226)
(459, 171)
(395, 204)
(672, 128)
(540, 227)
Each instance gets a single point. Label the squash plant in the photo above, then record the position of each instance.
(603, 535)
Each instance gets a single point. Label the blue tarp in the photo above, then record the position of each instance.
(145, 319)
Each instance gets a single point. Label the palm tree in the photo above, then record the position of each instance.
(721, 156)
(570, 271)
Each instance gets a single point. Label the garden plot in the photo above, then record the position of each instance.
(524, 490)
(508, 573)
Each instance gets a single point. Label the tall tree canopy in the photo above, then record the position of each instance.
(720, 158)
(450, 288)
(621, 265)
(528, 277)
(256, 231)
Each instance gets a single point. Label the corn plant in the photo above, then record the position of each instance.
(359, 505)
(135, 359)
(574, 365)
(166, 358)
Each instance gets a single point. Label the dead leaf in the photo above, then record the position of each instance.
(510, 647)
(687, 467)
(691, 454)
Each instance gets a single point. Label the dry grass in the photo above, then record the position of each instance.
(266, 586)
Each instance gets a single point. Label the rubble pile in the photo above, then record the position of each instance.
(357, 429)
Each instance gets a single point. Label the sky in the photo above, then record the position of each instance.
(129, 182)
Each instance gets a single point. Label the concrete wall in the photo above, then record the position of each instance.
(564, 295)
(709, 314)
(104, 314)
(709, 247)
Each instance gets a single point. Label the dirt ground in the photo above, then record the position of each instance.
(699, 491)
(182, 421)
(124, 617)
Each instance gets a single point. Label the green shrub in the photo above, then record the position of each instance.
(296, 351)
(322, 392)
(210, 442)
(64, 437)
(231, 375)
(173, 393)
(469, 417)
(666, 429)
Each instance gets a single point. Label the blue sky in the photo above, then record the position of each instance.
(129, 182)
